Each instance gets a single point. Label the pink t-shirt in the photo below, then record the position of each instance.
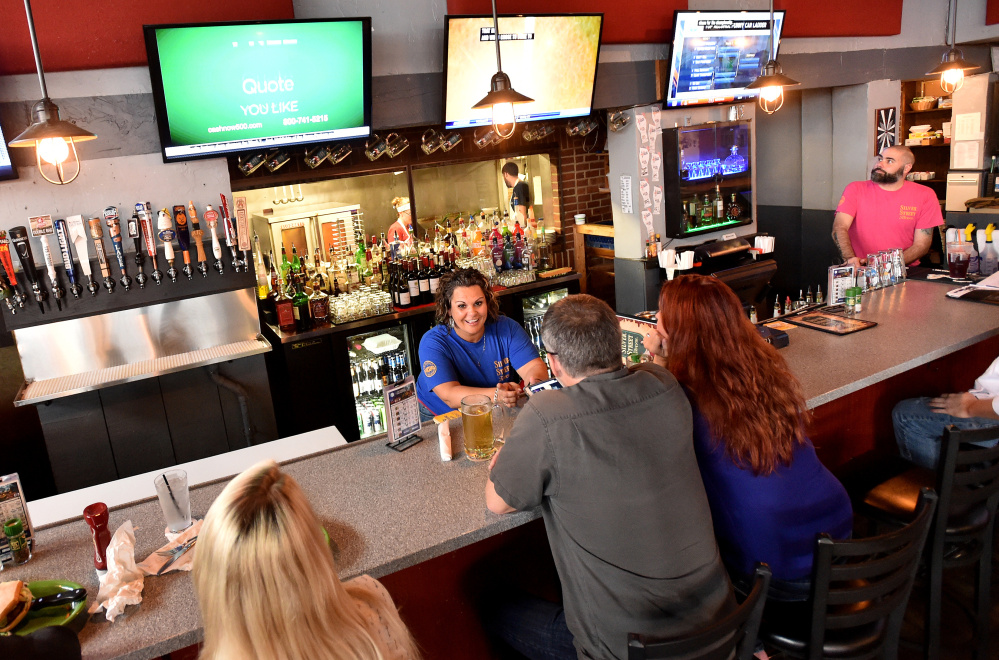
(885, 220)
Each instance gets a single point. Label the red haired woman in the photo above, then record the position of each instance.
(768, 492)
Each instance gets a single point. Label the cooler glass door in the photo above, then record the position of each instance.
(376, 358)
(534, 311)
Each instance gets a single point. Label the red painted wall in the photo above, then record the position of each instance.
(651, 21)
(100, 34)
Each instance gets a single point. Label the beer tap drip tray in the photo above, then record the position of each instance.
(39, 391)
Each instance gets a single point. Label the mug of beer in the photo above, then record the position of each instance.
(477, 426)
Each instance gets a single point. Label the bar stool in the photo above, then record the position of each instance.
(859, 591)
(735, 633)
(967, 480)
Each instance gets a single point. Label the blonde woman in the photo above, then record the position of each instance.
(268, 588)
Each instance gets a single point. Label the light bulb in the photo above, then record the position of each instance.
(53, 150)
(951, 80)
(503, 114)
(771, 93)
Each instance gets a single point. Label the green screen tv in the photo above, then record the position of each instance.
(223, 88)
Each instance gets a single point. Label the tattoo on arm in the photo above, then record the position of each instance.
(927, 231)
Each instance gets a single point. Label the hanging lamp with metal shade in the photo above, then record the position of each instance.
(54, 139)
(502, 96)
(952, 65)
(773, 81)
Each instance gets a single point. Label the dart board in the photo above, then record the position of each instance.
(885, 129)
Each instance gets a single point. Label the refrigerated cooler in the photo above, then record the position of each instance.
(377, 358)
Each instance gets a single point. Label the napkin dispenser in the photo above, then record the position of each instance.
(777, 338)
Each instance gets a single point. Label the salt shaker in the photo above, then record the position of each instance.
(97, 518)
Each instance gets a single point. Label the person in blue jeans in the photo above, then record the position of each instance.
(919, 423)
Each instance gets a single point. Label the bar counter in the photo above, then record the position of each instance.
(387, 512)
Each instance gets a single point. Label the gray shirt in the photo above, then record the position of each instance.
(611, 462)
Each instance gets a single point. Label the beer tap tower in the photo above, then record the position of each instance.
(62, 234)
(114, 231)
(19, 238)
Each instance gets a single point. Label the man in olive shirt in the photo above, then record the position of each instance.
(610, 460)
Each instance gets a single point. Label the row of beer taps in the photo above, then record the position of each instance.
(72, 233)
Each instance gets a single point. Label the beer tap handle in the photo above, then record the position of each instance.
(8, 268)
(62, 235)
(114, 232)
(183, 237)
(19, 239)
(197, 234)
(135, 233)
(164, 223)
(57, 291)
(97, 233)
(230, 233)
(78, 236)
(212, 218)
(146, 225)
(7, 293)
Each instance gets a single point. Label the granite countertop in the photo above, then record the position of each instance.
(917, 323)
(384, 511)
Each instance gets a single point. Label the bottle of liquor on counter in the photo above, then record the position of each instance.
(818, 295)
(424, 281)
(497, 252)
(508, 251)
(735, 210)
(800, 302)
(413, 284)
(300, 306)
(776, 306)
(787, 305)
(402, 286)
(435, 276)
(284, 309)
(296, 263)
(752, 314)
(319, 305)
(809, 298)
(285, 264)
(719, 203)
(707, 212)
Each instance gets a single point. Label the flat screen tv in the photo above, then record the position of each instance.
(7, 168)
(716, 54)
(222, 88)
(551, 58)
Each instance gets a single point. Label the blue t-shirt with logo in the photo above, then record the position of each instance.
(445, 357)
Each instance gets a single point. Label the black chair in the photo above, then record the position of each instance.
(735, 633)
(860, 588)
(967, 480)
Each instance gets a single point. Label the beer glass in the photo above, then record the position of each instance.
(375, 147)
(485, 136)
(958, 258)
(431, 141)
(617, 120)
(450, 141)
(277, 159)
(250, 164)
(395, 144)
(582, 127)
(477, 426)
(341, 153)
(314, 157)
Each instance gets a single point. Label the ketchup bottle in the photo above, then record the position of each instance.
(97, 518)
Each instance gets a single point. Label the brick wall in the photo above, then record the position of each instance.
(583, 182)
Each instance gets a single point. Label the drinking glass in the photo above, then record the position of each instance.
(451, 140)
(375, 147)
(341, 153)
(395, 144)
(431, 141)
(477, 426)
(958, 256)
(175, 499)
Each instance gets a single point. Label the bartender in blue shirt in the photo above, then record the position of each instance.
(472, 349)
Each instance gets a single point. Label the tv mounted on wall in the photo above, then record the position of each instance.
(7, 168)
(222, 88)
(716, 54)
(551, 58)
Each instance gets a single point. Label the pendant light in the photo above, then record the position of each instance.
(502, 96)
(952, 65)
(773, 81)
(54, 140)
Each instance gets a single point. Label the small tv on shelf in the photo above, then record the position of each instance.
(551, 58)
(7, 168)
(222, 88)
(716, 54)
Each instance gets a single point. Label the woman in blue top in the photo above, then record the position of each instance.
(769, 494)
(472, 349)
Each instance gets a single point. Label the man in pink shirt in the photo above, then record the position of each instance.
(886, 212)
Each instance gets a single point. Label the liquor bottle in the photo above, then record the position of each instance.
(800, 302)
(284, 308)
(752, 314)
(285, 264)
(497, 253)
(735, 210)
(707, 211)
(296, 263)
(518, 251)
(818, 295)
(787, 305)
(529, 258)
(423, 277)
(435, 276)
(372, 270)
(508, 251)
(300, 305)
(405, 301)
(413, 283)
(319, 305)
(776, 307)
(361, 259)
(719, 203)
(809, 297)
